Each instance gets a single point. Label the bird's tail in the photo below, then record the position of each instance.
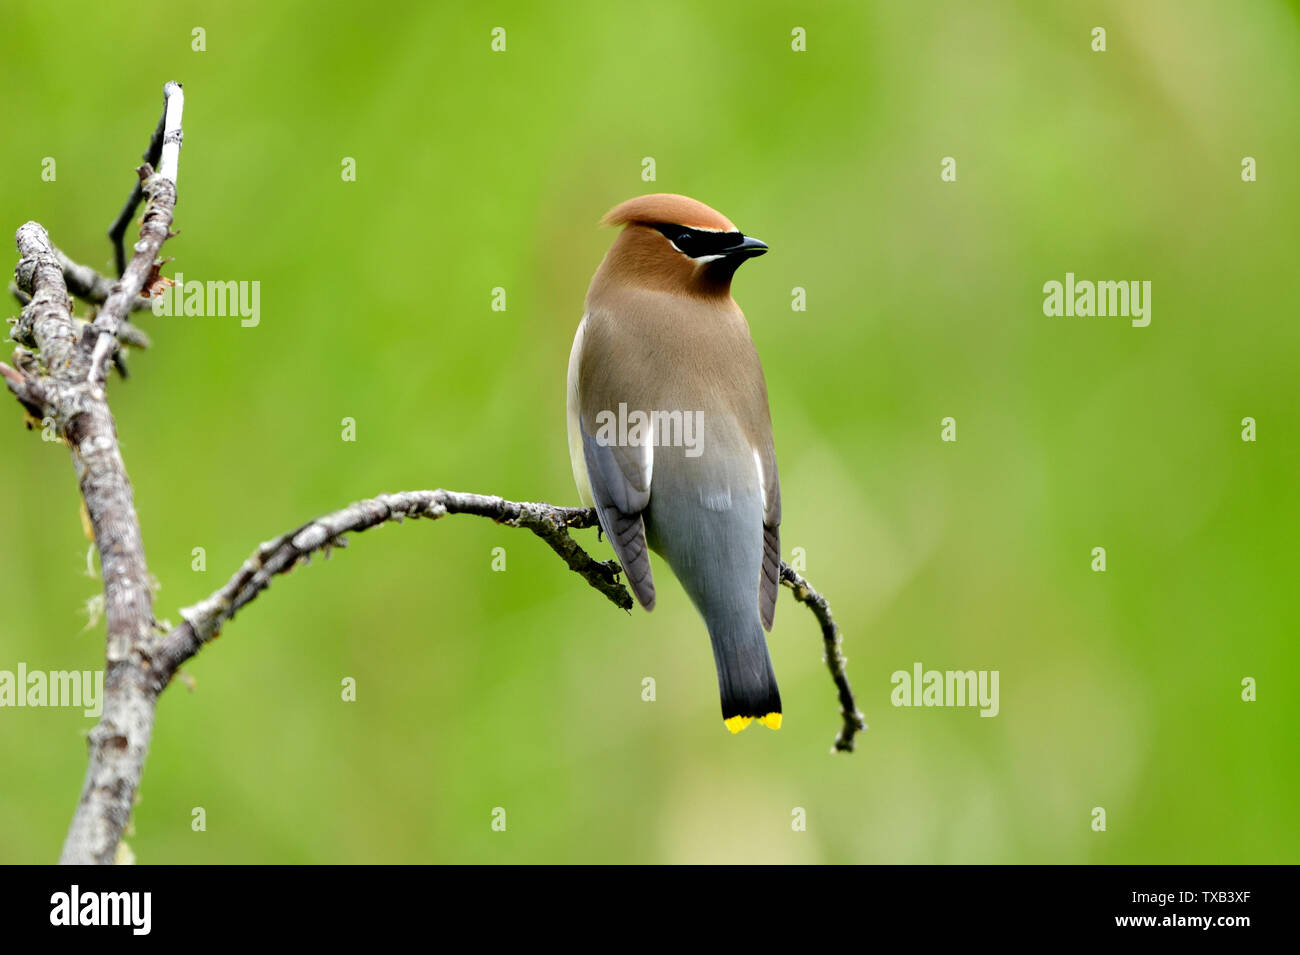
(746, 680)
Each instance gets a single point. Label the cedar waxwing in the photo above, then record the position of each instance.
(670, 435)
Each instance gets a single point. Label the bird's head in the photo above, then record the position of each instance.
(677, 243)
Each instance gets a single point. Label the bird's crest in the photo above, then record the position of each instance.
(666, 208)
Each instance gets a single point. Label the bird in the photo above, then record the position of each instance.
(670, 433)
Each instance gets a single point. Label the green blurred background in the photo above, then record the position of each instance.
(522, 689)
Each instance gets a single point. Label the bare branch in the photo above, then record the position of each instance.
(90, 286)
(65, 380)
(46, 320)
(835, 659)
(57, 384)
(204, 620)
(117, 231)
(155, 228)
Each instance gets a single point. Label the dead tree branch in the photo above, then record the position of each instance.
(117, 231)
(204, 620)
(60, 373)
(90, 286)
(835, 659)
(64, 380)
(58, 383)
(155, 229)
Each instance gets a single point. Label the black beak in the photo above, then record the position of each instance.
(747, 249)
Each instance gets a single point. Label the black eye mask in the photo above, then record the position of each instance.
(698, 242)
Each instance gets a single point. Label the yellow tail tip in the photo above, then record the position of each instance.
(738, 723)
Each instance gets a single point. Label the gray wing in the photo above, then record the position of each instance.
(769, 583)
(620, 488)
